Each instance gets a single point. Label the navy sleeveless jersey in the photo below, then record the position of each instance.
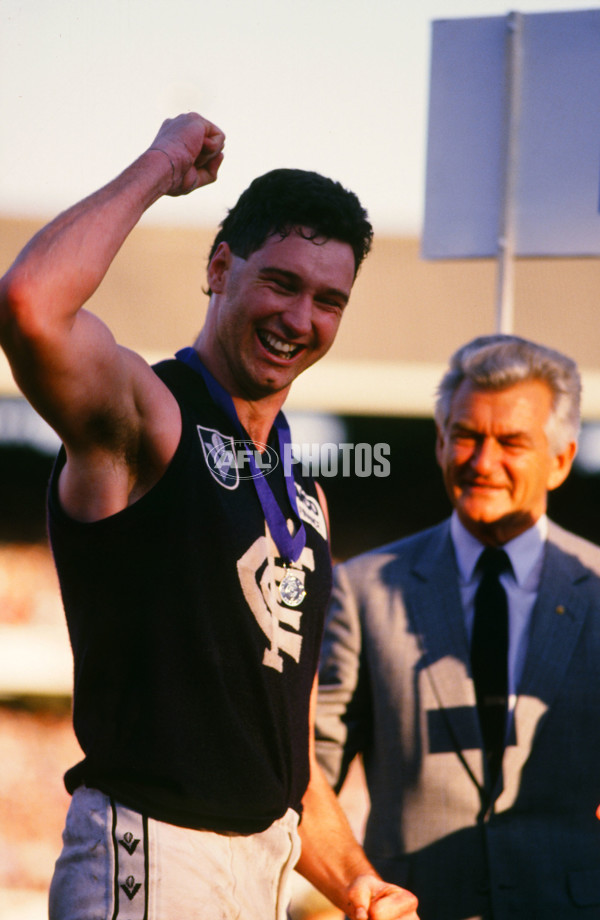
(191, 677)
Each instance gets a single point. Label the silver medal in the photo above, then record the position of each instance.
(291, 589)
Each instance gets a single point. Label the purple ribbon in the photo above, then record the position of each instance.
(289, 546)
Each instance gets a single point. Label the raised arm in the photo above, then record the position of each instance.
(334, 862)
(96, 395)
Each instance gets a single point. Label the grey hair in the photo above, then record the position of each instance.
(496, 362)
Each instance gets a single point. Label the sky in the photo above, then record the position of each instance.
(339, 86)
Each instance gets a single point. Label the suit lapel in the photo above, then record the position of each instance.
(435, 610)
(556, 623)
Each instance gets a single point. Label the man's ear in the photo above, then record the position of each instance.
(439, 445)
(561, 465)
(218, 267)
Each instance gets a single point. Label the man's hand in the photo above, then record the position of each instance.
(370, 898)
(194, 148)
(333, 860)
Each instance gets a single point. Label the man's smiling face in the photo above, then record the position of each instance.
(278, 311)
(496, 459)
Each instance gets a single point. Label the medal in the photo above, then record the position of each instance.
(291, 588)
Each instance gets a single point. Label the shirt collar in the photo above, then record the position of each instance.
(524, 551)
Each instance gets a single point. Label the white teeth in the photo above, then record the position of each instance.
(277, 344)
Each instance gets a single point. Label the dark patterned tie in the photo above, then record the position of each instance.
(489, 655)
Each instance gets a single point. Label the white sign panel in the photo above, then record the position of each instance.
(556, 145)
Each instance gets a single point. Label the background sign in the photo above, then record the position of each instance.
(514, 128)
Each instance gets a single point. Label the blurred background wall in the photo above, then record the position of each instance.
(376, 386)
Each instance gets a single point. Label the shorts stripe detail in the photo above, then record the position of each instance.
(131, 867)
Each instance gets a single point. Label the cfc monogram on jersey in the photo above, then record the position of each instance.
(260, 574)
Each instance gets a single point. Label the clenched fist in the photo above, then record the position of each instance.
(194, 148)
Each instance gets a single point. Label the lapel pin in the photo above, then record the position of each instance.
(560, 609)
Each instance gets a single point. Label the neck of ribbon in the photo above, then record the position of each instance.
(290, 546)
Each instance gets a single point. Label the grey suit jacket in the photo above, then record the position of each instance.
(396, 687)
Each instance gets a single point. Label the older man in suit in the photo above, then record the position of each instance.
(472, 687)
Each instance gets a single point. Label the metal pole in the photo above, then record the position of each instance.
(505, 307)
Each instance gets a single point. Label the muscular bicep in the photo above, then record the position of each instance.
(64, 359)
(119, 423)
(76, 376)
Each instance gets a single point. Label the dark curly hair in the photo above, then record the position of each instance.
(285, 200)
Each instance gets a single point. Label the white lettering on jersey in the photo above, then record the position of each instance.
(310, 511)
(259, 578)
